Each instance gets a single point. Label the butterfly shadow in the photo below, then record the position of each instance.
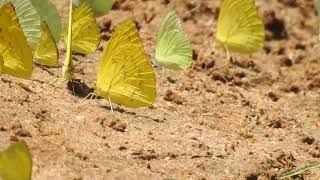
(79, 88)
(117, 109)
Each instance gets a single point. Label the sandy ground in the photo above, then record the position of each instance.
(253, 117)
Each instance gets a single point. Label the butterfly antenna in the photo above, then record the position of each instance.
(110, 103)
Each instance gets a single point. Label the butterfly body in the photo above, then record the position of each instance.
(68, 72)
(125, 74)
(67, 68)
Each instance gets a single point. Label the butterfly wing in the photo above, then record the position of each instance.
(46, 53)
(29, 20)
(240, 29)
(317, 5)
(49, 13)
(173, 48)
(100, 7)
(16, 162)
(14, 48)
(125, 73)
(86, 34)
(67, 68)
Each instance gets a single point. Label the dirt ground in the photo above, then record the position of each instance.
(252, 117)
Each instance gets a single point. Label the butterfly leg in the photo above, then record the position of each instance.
(228, 58)
(211, 49)
(91, 95)
(228, 53)
(110, 103)
(162, 74)
(54, 81)
(162, 80)
(72, 85)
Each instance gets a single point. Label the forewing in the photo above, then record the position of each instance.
(14, 48)
(16, 162)
(85, 31)
(173, 48)
(29, 20)
(240, 29)
(46, 53)
(125, 73)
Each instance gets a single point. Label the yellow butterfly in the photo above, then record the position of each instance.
(240, 29)
(86, 34)
(67, 68)
(46, 53)
(16, 162)
(125, 74)
(14, 48)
